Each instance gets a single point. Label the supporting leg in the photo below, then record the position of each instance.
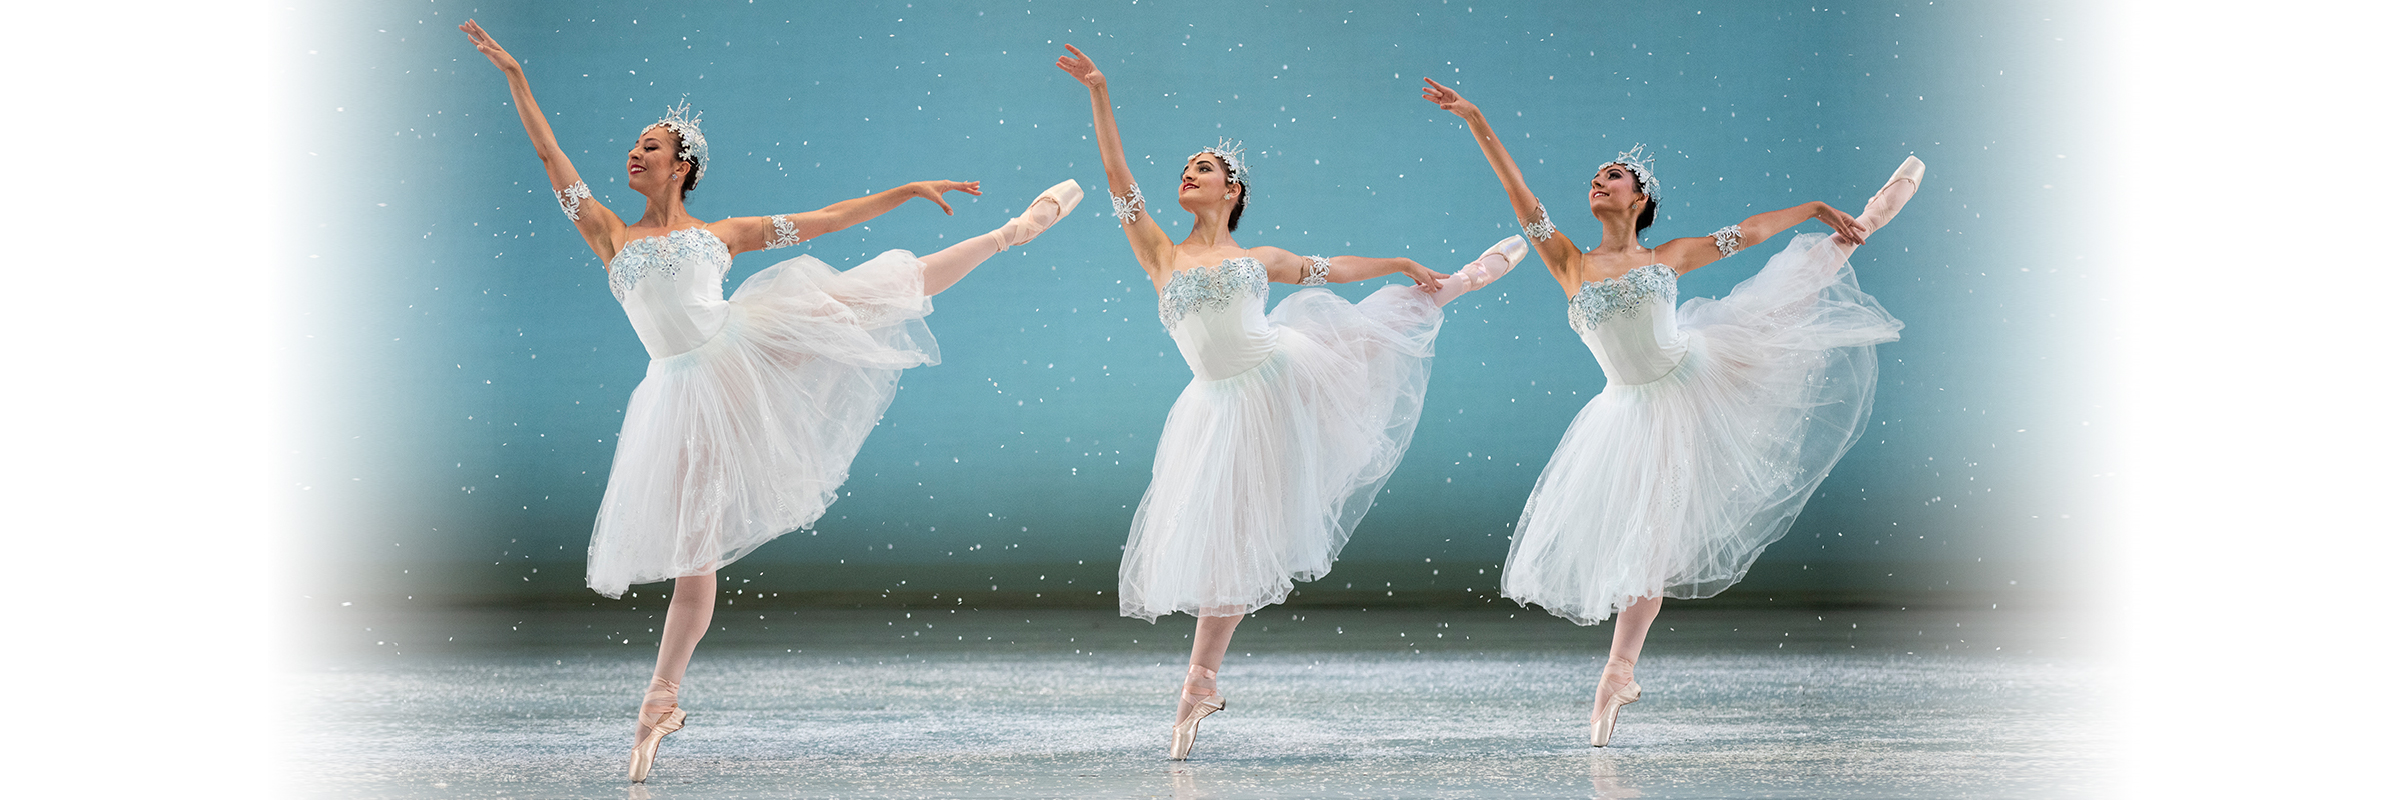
(1200, 698)
(688, 614)
(1616, 680)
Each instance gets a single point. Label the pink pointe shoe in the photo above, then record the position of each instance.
(1604, 717)
(1479, 273)
(1195, 707)
(1894, 194)
(1037, 218)
(654, 726)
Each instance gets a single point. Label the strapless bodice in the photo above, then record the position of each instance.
(1629, 323)
(673, 288)
(1218, 317)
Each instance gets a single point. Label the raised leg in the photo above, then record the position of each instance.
(1888, 201)
(1495, 262)
(944, 269)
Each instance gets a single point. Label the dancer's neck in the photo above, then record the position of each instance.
(1618, 238)
(1209, 234)
(664, 211)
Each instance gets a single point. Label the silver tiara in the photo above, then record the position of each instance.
(1231, 152)
(1641, 164)
(686, 124)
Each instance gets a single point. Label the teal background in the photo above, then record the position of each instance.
(464, 367)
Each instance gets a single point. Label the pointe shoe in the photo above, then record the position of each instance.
(645, 747)
(1604, 722)
(1475, 275)
(1894, 194)
(1030, 224)
(1187, 729)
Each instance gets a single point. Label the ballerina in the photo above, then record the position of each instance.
(1718, 420)
(1293, 420)
(753, 407)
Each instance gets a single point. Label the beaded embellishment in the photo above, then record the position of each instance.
(1213, 288)
(786, 233)
(1318, 268)
(571, 199)
(666, 256)
(1729, 239)
(1602, 300)
(1128, 206)
(1541, 230)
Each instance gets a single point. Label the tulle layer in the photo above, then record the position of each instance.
(1261, 477)
(748, 436)
(1672, 488)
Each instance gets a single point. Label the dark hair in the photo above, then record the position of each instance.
(1235, 221)
(690, 179)
(1649, 215)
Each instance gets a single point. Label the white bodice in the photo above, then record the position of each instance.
(1629, 323)
(1218, 317)
(673, 288)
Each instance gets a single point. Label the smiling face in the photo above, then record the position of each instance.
(1616, 190)
(652, 164)
(1204, 182)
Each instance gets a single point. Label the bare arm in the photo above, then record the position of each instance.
(744, 234)
(1285, 267)
(1151, 246)
(1559, 253)
(598, 225)
(1693, 252)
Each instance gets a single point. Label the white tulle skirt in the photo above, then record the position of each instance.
(1261, 477)
(748, 436)
(1672, 488)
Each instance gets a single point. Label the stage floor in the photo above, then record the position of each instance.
(957, 702)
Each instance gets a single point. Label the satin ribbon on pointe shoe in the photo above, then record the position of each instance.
(645, 745)
(1024, 227)
(1187, 729)
(1475, 275)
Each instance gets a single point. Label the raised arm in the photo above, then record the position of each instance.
(744, 234)
(1558, 252)
(595, 222)
(1285, 267)
(1693, 252)
(1150, 244)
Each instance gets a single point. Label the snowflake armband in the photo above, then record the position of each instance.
(786, 234)
(571, 199)
(1127, 206)
(1729, 239)
(1318, 268)
(1540, 230)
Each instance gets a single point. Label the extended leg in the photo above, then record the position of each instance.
(1495, 262)
(944, 269)
(1887, 202)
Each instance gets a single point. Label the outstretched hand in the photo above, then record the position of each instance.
(1447, 98)
(1080, 66)
(1428, 281)
(932, 190)
(489, 48)
(1846, 228)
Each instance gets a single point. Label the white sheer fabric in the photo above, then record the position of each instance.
(1291, 424)
(1717, 423)
(752, 407)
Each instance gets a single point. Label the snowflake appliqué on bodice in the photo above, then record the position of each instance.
(665, 255)
(1604, 299)
(1212, 287)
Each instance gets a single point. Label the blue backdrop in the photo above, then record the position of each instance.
(466, 368)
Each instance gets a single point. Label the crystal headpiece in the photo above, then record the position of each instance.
(1641, 164)
(1231, 152)
(685, 123)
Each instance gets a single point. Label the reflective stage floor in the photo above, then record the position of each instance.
(958, 702)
